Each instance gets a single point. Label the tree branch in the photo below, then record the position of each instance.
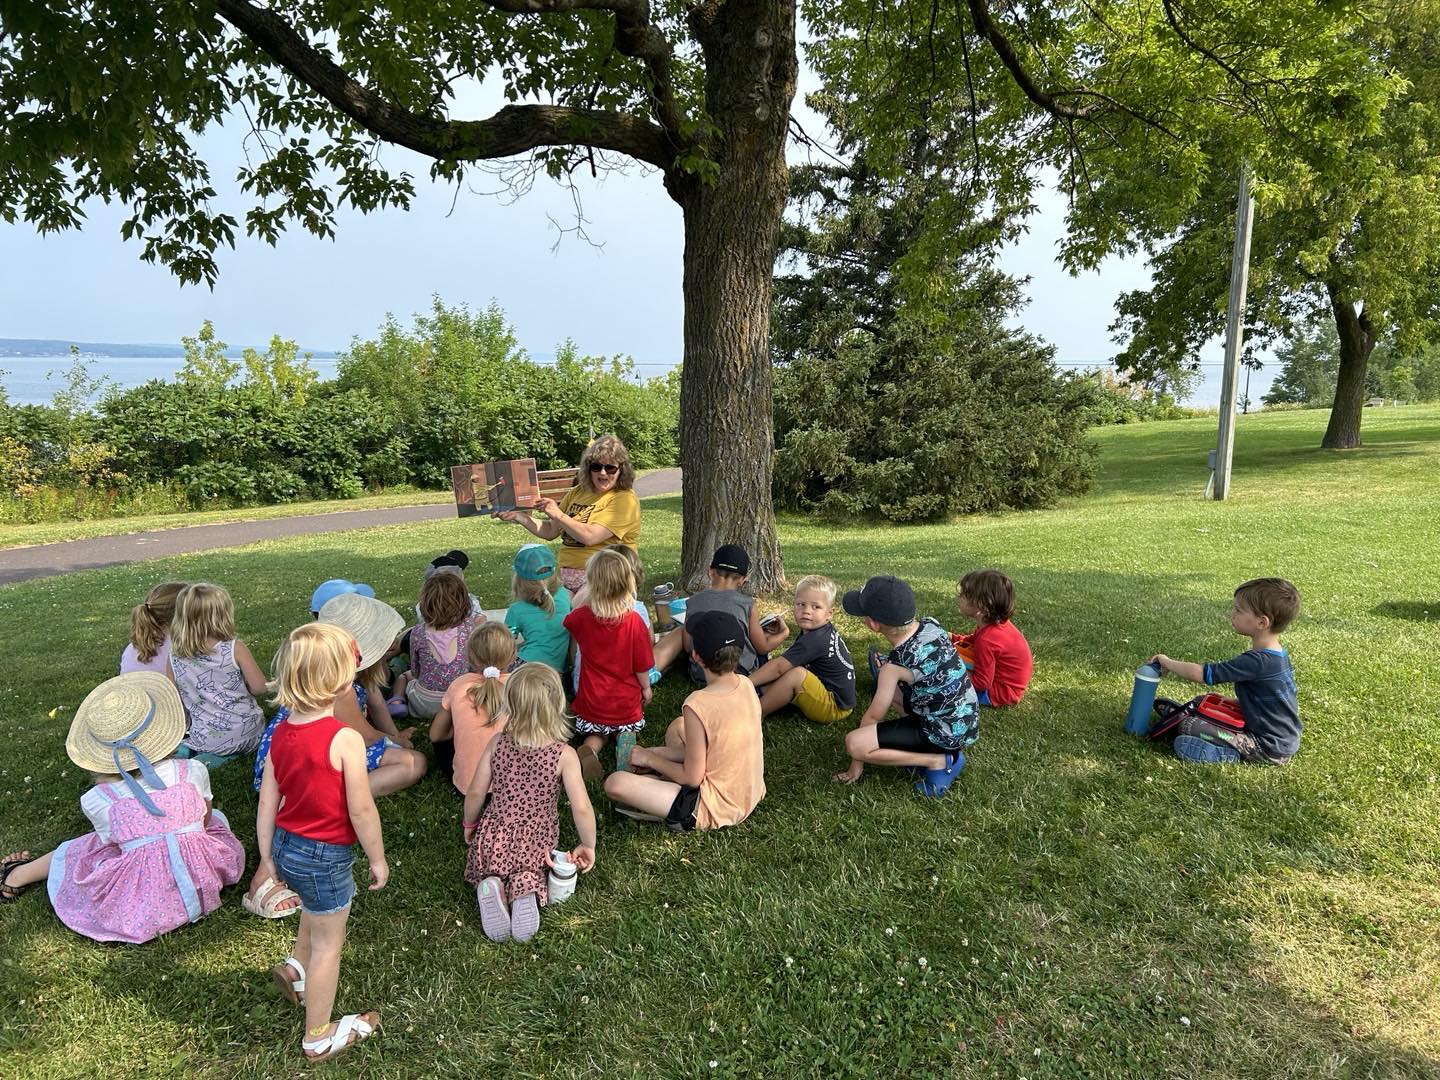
(513, 130)
(635, 36)
(1050, 101)
(986, 28)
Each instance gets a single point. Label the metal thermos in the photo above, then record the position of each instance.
(1142, 699)
(562, 877)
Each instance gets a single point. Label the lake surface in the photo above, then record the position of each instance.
(33, 380)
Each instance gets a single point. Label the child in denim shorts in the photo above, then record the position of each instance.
(317, 768)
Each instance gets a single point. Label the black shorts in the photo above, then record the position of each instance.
(908, 735)
(681, 817)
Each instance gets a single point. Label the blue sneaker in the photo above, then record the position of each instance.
(937, 781)
(1191, 748)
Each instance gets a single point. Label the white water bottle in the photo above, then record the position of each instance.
(562, 877)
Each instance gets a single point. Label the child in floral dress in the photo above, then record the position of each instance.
(522, 770)
(159, 854)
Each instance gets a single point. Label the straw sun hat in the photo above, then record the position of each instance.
(372, 623)
(139, 711)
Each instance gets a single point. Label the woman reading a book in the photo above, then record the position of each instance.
(600, 510)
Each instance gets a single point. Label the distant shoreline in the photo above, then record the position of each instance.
(109, 350)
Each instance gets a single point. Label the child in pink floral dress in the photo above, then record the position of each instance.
(522, 770)
(160, 854)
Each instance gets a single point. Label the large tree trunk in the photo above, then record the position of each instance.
(1357, 341)
(732, 223)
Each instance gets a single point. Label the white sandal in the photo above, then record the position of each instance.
(293, 990)
(349, 1030)
(268, 898)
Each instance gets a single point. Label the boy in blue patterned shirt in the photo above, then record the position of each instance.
(1264, 683)
(939, 714)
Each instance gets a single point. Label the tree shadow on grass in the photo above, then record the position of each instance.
(1415, 610)
(1077, 893)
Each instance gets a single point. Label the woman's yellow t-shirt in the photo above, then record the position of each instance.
(618, 511)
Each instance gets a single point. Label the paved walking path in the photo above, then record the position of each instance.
(47, 560)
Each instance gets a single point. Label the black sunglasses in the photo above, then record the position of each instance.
(600, 466)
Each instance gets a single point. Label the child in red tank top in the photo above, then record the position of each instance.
(317, 768)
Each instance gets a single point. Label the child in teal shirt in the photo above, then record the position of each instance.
(537, 614)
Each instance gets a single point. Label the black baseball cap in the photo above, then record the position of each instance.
(451, 558)
(711, 631)
(885, 599)
(732, 559)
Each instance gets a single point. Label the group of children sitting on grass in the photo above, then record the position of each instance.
(501, 731)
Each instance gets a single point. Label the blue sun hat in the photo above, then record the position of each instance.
(328, 590)
(534, 562)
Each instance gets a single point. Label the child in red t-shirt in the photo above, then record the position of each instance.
(998, 654)
(615, 678)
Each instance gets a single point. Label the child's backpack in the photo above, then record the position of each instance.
(1216, 708)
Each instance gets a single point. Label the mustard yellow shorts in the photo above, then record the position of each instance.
(818, 703)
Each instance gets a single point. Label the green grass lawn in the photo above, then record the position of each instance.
(1079, 905)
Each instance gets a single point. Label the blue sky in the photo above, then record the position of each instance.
(618, 294)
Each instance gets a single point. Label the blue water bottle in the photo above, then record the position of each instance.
(1142, 699)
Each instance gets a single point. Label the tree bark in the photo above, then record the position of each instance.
(732, 223)
(1357, 341)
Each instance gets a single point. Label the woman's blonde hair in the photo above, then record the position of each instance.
(608, 450)
(444, 600)
(535, 703)
(491, 646)
(534, 592)
(314, 666)
(611, 584)
(203, 613)
(150, 620)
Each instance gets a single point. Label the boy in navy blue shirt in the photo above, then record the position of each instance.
(1264, 683)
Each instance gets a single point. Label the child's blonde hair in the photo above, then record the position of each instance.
(818, 583)
(535, 703)
(373, 678)
(444, 600)
(203, 613)
(611, 583)
(491, 646)
(150, 619)
(633, 558)
(534, 592)
(314, 666)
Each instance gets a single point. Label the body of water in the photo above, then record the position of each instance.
(33, 380)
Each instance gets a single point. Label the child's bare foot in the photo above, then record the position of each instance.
(850, 775)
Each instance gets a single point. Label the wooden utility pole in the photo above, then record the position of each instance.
(1234, 334)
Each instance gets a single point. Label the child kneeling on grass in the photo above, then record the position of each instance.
(925, 677)
(712, 772)
(816, 673)
(521, 770)
(1264, 684)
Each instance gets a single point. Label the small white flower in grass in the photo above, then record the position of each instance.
(424, 933)
(889, 931)
(714, 1064)
(27, 779)
(1037, 1051)
(585, 999)
(965, 941)
(459, 923)
(922, 962)
(1185, 1021)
